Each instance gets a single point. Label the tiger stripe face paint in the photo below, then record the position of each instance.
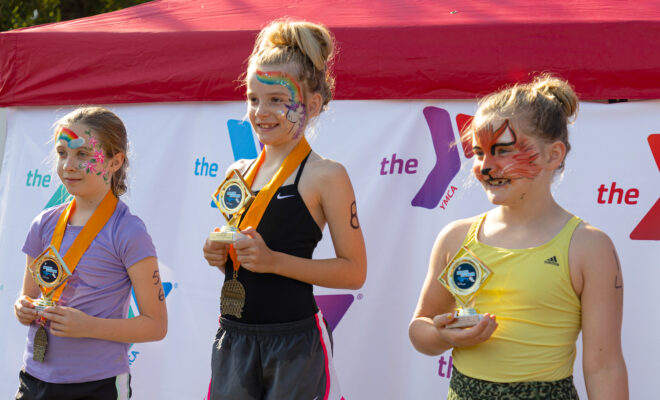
(296, 112)
(503, 155)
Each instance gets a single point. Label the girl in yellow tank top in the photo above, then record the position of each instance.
(550, 275)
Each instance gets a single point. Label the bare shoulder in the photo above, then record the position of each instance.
(588, 239)
(326, 178)
(324, 169)
(451, 237)
(591, 249)
(239, 165)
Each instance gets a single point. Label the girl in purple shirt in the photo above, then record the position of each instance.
(88, 332)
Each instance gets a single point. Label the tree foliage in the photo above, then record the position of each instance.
(22, 13)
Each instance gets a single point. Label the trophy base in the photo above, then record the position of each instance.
(42, 304)
(465, 321)
(226, 236)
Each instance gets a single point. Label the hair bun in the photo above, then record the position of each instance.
(314, 41)
(559, 91)
(308, 46)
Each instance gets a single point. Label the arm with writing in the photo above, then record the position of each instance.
(150, 325)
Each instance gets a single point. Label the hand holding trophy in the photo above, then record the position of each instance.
(232, 197)
(49, 272)
(464, 277)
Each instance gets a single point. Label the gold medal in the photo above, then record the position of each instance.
(40, 344)
(232, 298)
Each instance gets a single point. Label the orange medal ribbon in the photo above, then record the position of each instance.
(258, 206)
(87, 234)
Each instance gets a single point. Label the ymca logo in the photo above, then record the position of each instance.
(649, 227)
(448, 163)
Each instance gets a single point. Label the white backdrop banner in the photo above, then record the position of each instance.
(409, 183)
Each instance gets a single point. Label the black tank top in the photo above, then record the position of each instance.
(287, 227)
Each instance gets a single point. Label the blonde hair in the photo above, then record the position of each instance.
(111, 134)
(543, 108)
(310, 47)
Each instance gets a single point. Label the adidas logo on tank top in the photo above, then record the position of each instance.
(552, 261)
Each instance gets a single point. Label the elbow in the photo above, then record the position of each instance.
(160, 330)
(359, 277)
(421, 341)
(412, 336)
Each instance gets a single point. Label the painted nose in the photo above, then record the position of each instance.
(485, 171)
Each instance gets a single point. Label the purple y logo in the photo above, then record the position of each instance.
(334, 306)
(447, 162)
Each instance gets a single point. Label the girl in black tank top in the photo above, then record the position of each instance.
(287, 227)
(273, 342)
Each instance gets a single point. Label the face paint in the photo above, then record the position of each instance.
(69, 136)
(296, 110)
(90, 166)
(509, 156)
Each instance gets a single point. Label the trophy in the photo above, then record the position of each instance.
(464, 277)
(232, 196)
(49, 272)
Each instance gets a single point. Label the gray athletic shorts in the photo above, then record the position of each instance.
(291, 360)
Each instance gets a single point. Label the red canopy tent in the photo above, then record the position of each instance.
(194, 50)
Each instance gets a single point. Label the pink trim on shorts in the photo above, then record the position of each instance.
(325, 355)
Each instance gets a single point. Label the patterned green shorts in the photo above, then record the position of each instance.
(463, 387)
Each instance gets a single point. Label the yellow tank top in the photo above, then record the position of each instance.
(538, 312)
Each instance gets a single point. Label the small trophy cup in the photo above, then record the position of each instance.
(232, 196)
(464, 277)
(49, 272)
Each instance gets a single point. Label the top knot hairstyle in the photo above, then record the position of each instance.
(543, 108)
(111, 134)
(310, 47)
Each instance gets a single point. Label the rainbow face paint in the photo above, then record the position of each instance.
(296, 109)
(283, 79)
(503, 156)
(69, 136)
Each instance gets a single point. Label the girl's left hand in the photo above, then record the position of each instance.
(67, 321)
(252, 252)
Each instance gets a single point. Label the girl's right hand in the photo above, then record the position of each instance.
(465, 337)
(24, 310)
(216, 253)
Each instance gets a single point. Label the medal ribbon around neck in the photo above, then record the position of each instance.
(258, 206)
(87, 234)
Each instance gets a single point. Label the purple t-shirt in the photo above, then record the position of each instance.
(100, 286)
